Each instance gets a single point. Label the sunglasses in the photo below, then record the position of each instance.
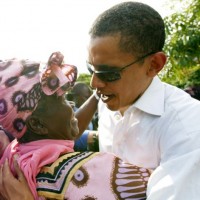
(115, 74)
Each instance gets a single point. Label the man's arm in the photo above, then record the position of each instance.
(85, 113)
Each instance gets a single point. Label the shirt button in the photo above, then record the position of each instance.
(117, 117)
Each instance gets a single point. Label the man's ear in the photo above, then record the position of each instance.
(36, 125)
(157, 62)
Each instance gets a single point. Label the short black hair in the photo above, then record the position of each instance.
(140, 27)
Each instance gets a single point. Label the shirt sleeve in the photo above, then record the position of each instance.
(176, 179)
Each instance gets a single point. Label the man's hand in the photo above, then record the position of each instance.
(11, 187)
(3, 142)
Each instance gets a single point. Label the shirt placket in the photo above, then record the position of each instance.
(118, 134)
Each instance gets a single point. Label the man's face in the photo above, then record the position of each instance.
(104, 54)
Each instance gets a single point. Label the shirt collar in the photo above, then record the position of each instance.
(152, 101)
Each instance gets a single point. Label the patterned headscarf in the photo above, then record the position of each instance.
(22, 83)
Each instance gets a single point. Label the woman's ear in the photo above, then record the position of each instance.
(157, 62)
(36, 125)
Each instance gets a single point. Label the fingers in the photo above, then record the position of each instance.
(1, 174)
(15, 163)
(3, 142)
(1, 182)
(6, 169)
(18, 170)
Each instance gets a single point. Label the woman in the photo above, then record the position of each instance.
(36, 113)
(34, 110)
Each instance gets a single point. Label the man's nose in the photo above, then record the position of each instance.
(95, 82)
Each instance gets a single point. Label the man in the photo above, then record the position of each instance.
(194, 91)
(79, 94)
(141, 119)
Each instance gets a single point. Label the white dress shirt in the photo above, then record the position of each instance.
(160, 131)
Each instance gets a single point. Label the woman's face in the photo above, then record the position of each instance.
(59, 119)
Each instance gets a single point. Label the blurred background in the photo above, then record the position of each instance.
(33, 29)
(36, 28)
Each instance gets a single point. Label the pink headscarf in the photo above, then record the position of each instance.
(21, 84)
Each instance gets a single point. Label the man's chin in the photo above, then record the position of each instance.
(112, 107)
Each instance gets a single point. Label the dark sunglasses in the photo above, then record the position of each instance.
(115, 74)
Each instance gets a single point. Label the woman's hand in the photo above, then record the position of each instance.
(11, 187)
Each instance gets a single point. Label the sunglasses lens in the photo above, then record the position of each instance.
(109, 76)
(106, 76)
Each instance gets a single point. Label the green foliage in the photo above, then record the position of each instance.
(183, 46)
(84, 78)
